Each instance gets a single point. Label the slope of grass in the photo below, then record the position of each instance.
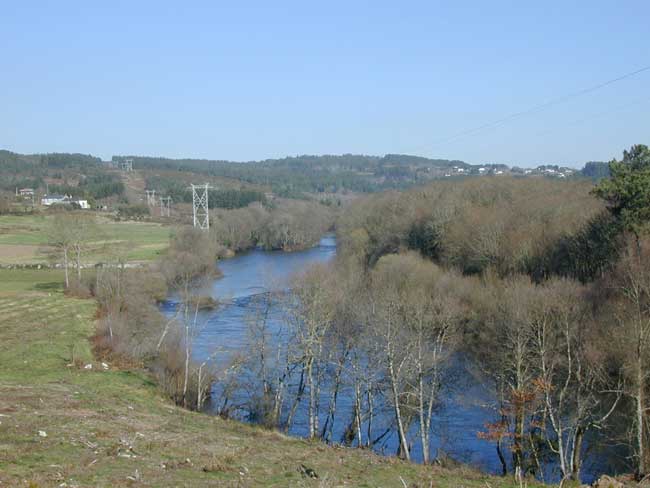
(65, 424)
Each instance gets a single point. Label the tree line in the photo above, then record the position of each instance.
(286, 225)
(227, 198)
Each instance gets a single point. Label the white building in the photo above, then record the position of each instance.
(82, 203)
(48, 200)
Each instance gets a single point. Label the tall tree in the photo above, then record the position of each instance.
(627, 191)
(312, 314)
(632, 332)
(571, 373)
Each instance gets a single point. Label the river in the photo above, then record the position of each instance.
(224, 333)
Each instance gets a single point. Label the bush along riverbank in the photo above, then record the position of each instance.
(286, 225)
(131, 329)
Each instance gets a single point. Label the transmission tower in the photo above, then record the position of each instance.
(127, 165)
(200, 209)
(165, 206)
(151, 197)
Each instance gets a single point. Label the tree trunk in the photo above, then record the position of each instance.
(404, 448)
(329, 422)
(187, 363)
(576, 459)
(370, 415)
(296, 401)
(312, 398)
(357, 412)
(639, 420)
(424, 434)
(502, 459)
(78, 259)
(199, 400)
(517, 447)
(65, 267)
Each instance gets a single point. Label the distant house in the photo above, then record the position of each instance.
(26, 192)
(48, 200)
(82, 203)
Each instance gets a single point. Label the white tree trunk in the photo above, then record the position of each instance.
(65, 267)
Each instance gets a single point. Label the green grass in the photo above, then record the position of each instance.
(107, 428)
(141, 241)
(44, 280)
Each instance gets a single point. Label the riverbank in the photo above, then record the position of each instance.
(68, 420)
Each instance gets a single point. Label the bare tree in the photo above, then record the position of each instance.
(432, 314)
(312, 311)
(395, 310)
(83, 230)
(632, 332)
(59, 237)
(506, 351)
(570, 375)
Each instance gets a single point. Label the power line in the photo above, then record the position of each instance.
(618, 108)
(598, 115)
(539, 107)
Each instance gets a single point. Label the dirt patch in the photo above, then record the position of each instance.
(12, 253)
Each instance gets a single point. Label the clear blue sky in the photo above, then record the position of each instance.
(268, 79)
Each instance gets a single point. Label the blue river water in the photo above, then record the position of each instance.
(224, 333)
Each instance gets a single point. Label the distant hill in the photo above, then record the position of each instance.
(291, 177)
(30, 170)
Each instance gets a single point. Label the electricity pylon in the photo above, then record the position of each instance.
(127, 165)
(165, 206)
(200, 209)
(151, 197)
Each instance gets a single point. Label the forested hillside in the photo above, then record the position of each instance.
(289, 177)
(78, 175)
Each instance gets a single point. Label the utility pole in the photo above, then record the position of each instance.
(151, 197)
(200, 209)
(165, 206)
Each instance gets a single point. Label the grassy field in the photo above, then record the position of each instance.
(64, 425)
(23, 239)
